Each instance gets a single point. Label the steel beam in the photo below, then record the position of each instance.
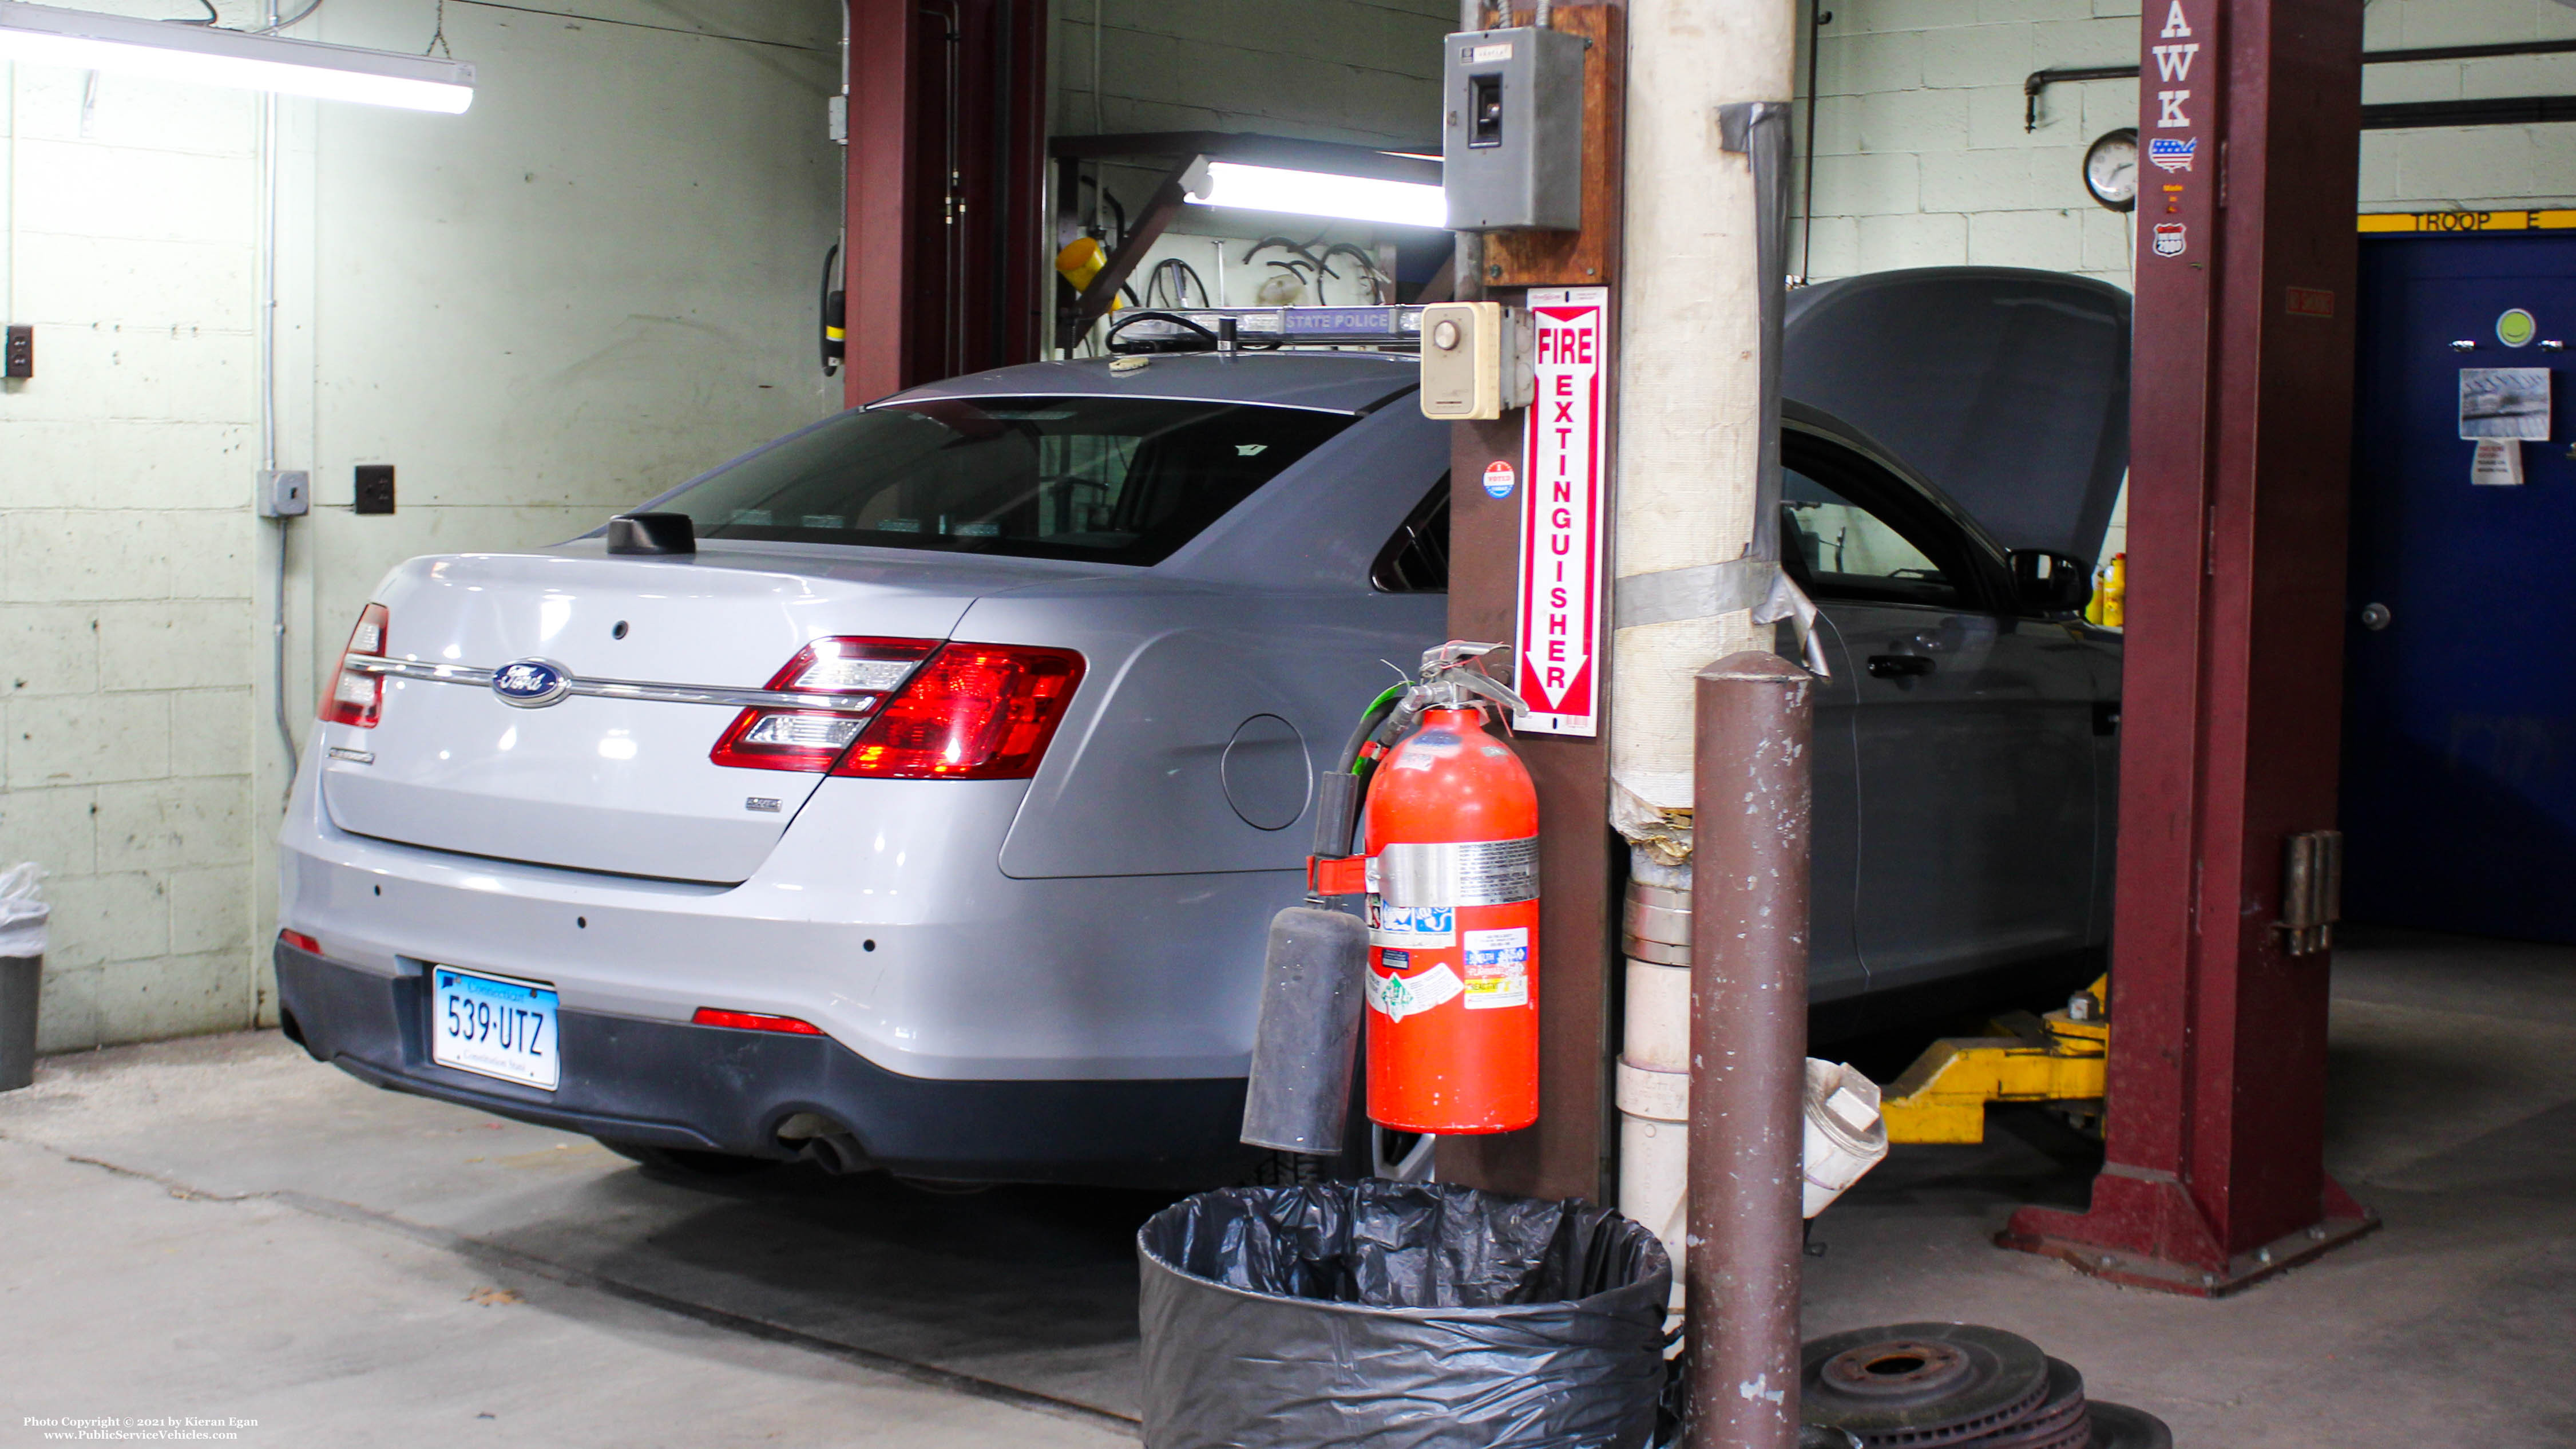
(2240, 435)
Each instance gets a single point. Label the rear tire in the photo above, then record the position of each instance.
(686, 1162)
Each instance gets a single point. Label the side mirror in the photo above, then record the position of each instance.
(2050, 584)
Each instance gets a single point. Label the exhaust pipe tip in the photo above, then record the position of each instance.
(827, 1144)
(839, 1154)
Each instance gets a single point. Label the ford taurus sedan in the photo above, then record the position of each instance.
(927, 815)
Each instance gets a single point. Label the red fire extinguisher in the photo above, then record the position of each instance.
(1450, 832)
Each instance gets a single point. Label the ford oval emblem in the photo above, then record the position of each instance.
(531, 683)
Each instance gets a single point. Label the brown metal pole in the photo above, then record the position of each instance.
(1750, 807)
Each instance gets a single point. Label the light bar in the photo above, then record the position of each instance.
(1161, 329)
(204, 55)
(1319, 193)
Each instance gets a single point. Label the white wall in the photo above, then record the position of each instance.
(2476, 167)
(1921, 159)
(1366, 71)
(595, 283)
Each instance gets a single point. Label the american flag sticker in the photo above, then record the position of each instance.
(2172, 153)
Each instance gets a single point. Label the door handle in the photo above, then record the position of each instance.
(1898, 666)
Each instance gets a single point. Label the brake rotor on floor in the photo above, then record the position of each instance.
(2117, 1426)
(1922, 1385)
(2058, 1423)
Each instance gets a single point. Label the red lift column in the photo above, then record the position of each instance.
(947, 148)
(2249, 127)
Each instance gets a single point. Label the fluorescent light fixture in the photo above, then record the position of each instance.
(204, 55)
(1318, 193)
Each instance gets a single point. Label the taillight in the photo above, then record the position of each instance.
(753, 1021)
(856, 674)
(355, 698)
(974, 712)
(301, 942)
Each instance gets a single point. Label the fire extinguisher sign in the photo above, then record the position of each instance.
(1561, 514)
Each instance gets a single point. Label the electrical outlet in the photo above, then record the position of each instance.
(284, 493)
(375, 488)
(18, 359)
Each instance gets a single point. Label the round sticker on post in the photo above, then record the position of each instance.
(1498, 479)
(2515, 328)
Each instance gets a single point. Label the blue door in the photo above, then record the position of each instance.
(2459, 773)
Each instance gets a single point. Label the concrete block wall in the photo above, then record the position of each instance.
(2472, 168)
(126, 550)
(593, 284)
(1366, 71)
(1921, 158)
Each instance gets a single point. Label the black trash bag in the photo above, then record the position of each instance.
(1401, 1316)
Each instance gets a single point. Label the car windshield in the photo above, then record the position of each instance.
(1108, 479)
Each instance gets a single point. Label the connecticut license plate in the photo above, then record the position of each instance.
(492, 1025)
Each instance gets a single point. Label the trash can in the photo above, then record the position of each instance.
(1400, 1316)
(22, 969)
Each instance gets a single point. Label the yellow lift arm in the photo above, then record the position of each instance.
(2058, 1059)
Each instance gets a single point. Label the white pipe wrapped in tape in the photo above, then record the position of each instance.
(1845, 1135)
(1654, 1104)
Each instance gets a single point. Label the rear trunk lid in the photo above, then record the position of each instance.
(615, 784)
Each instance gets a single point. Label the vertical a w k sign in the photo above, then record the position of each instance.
(1561, 515)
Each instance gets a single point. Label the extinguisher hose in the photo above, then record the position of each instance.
(1370, 718)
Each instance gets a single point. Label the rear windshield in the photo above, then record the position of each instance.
(1106, 479)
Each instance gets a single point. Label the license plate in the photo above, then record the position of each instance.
(493, 1026)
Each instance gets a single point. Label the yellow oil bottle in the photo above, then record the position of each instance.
(1080, 261)
(2115, 593)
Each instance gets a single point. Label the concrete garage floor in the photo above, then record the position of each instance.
(219, 1228)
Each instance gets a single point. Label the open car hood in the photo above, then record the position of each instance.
(2007, 388)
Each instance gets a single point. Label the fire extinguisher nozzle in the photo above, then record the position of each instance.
(1312, 979)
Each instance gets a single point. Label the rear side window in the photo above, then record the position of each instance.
(1416, 559)
(1107, 479)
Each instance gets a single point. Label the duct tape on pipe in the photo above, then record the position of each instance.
(1704, 590)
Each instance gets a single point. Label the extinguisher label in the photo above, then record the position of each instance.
(1401, 996)
(1497, 968)
(1414, 928)
(1497, 872)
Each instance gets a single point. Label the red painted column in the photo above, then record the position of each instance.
(946, 161)
(2249, 114)
(884, 191)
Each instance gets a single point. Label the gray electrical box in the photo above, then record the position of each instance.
(284, 493)
(1511, 139)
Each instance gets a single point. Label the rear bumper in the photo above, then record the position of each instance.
(670, 1084)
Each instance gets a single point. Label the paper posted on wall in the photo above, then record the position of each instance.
(2505, 402)
(2498, 463)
